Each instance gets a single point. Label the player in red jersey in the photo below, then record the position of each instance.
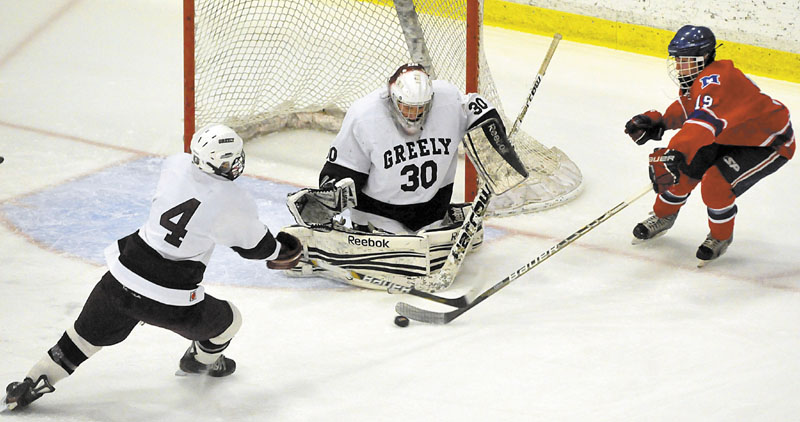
(730, 136)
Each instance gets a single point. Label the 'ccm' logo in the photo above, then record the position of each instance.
(380, 243)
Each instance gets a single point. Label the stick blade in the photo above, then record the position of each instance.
(421, 315)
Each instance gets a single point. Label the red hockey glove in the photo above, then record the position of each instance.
(290, 254)
(644, 127)
(666, 166)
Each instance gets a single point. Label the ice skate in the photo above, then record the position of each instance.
(21, 394)
(711, 249)
(189, 365)
(652, 227)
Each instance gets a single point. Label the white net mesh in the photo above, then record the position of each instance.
(261, 66)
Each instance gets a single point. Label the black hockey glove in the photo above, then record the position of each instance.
(665, 169)
(290, 253)
(644, 127)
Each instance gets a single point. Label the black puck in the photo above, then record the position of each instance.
(1, 159)
(401, 321)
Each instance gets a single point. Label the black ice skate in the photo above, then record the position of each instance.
(712, 249)
(653, 227)
(222, 367)
(21, 394)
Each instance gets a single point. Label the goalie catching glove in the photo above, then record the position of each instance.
(644, 127)
(317, 207)
(666, 166)
(290, 253)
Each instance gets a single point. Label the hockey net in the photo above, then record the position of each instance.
(266, 66)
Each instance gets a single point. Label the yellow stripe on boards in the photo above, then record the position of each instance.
(634, 38)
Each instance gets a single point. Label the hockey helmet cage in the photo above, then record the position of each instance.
(411, 93)
(690, 51)
(217, 149)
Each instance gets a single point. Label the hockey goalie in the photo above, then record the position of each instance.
(381, 217)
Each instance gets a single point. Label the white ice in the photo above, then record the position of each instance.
(91, 99)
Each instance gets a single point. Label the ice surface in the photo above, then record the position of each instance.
(90, 102)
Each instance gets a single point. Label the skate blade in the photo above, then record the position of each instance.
(702, 262)
(6, 406)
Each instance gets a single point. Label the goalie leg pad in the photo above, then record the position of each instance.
(397, 258)
(441, 240)
(392, 257)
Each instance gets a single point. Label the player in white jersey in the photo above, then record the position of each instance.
(399, 144)
(154, 274)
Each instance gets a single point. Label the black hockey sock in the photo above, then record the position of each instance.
(66, 354)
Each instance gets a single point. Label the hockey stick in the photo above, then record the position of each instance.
(479, 206)
(432, 317)
(536, 82)
(357, 279)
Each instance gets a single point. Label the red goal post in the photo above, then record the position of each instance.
(262, 67)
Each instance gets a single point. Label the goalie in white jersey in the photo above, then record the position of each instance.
(392, 165)
(399, 144)
(154, 274)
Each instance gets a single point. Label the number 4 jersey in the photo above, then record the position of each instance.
(191, 212)
(409, 178)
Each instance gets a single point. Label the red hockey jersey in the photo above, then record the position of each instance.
(725, 107)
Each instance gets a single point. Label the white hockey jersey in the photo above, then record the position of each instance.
(409, 177)
(191, 212)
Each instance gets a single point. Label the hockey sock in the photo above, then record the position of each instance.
(209, 350)
(668, 204)
(63, 358)
(720, 221)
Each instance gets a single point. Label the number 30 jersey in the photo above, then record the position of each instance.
(409, 178)
(191, 212)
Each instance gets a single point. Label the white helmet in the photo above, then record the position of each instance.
(217, 149)
(411, 93)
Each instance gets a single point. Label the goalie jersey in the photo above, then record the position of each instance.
(191, 212)
(399, 177)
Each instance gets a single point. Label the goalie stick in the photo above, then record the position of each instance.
(480, 204)
(431, 317)
(354, 277)
(536, 82)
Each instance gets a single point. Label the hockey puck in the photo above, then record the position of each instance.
(401, 321)
(1, 159)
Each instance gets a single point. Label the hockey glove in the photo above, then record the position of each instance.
(666, 166)
(290, 253)
(644, 127)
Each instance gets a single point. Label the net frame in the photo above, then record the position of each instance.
(218, 65)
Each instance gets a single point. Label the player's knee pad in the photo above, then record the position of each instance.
(232, 329)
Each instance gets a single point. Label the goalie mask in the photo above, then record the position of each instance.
(217, 149)
(411, 93)
(690, 51)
